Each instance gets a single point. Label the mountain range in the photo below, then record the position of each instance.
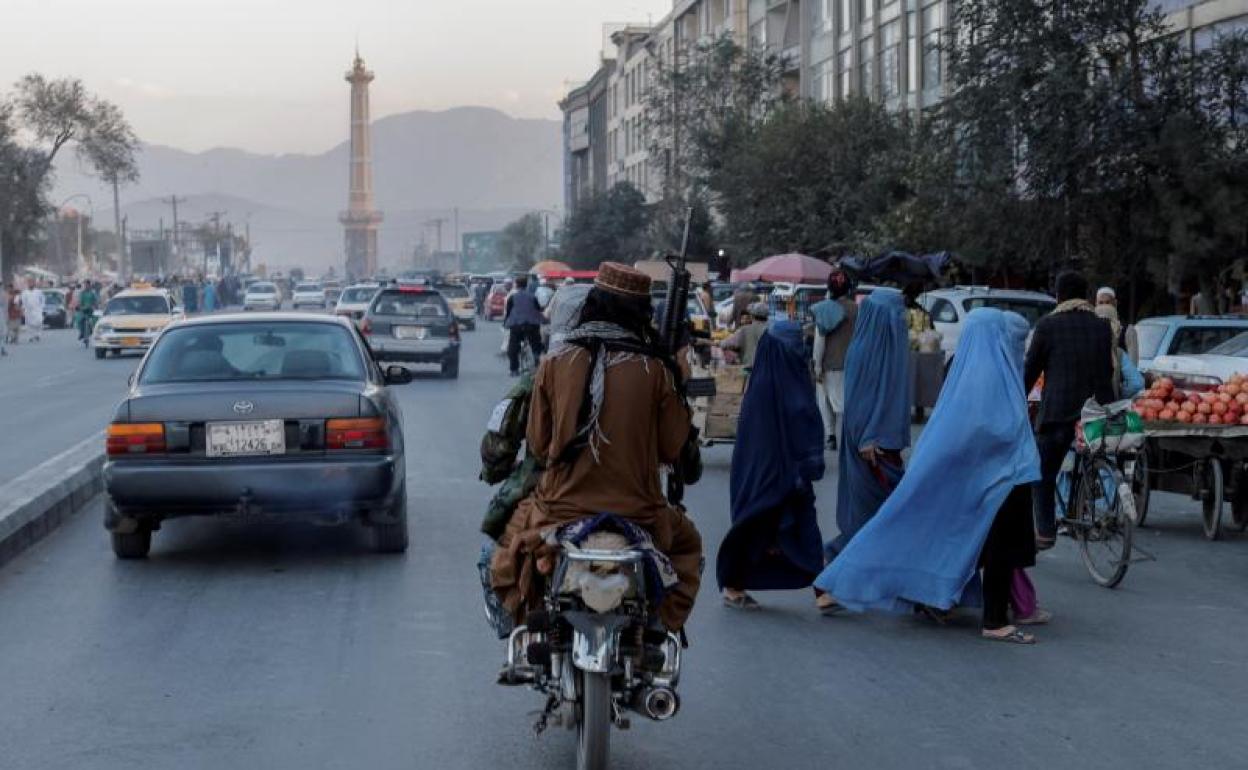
(488, 165)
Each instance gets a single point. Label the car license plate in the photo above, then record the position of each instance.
(244, 439)
(131, 342)
(410, 332)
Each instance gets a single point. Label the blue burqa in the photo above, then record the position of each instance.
(210, 297)
(774, 542)
(923, 547)
(878, 399)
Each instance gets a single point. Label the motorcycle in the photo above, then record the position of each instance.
(595, 648)
(85, 323)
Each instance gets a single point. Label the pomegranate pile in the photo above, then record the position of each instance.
(1227, 404)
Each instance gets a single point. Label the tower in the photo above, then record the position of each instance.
(360, 220)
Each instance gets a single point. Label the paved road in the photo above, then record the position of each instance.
(53, 394)
(258, 646)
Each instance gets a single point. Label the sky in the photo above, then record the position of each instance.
(267, 75)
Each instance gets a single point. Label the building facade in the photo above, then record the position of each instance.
(886, 50)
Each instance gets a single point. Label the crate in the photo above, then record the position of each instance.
(730, 380)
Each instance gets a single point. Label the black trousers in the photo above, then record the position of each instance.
(997, 596)
(1053, 440)
(530, 333)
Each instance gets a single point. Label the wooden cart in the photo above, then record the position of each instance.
(1207, 462)
(716, 416)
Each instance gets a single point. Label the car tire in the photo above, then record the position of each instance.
(392, 537)
(450, 368)
(132, 545)
(100, 353)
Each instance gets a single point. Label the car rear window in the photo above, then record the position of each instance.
(1030, 309)
(254, 351)
(454, 292)
(262, 288)
(308, 287)
(359, 294)
(1235, 346)
(410, 304)
(1193, 340)
(137, 306)
(1149, 336)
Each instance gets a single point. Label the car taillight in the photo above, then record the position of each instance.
(366, 327)
(129, 438)
(356, 433)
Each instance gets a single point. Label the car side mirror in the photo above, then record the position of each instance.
(398, 375)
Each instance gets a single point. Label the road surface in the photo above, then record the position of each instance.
(253, 645)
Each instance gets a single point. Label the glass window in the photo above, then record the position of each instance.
(866, 67)
(411, 304)
(912, 52)
(359, 294)
(847, 72)
(1032, 310)
(822, 14)
(890, 59)
(824, 87)
(1150, 337)
(866, 8)
(254, 351)
(933, 22)
(758, 34)
(150, 305)
(1235, 346)
(845, 7)
(1193, 340)
(944, 312)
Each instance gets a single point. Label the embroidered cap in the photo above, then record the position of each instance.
(622, 279)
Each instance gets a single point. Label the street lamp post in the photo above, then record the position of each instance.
(546, 214)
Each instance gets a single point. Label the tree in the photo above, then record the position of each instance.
(521, 242)
(610, 227)
(23, 195)
(811, 178)
(58, 112)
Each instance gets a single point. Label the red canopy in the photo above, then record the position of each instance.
(785, 268)
(549, 266)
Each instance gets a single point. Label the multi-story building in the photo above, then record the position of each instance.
(585, 111)
(888, 50)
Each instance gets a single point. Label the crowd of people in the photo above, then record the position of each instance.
(955, 522)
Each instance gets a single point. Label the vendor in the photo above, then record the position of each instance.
(744, 341)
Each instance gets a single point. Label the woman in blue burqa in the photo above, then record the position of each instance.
(876, 424)
(774, 542)
(964, 501)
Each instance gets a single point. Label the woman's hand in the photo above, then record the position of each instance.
(871, 453)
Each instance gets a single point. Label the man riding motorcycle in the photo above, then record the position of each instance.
(88, 300)
(607, 411)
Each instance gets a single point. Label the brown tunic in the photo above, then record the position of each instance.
(644, 425)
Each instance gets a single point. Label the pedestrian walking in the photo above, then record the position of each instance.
(744, 341)
(1072, 349)
(834, 329)
(210, 296)
(926, 546)
(774, 542)
(13, 315)
(877, 413)
(32, 300)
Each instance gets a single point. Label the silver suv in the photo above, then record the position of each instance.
(949, 308)
(412, 324)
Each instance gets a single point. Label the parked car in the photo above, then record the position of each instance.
(308, 294)
(55, 309)
(1179, 335)
(949, 308)
(262, 295)
(355, 300)
(1210, 368)
(463, 306)
(496, 302)
(412, 324)
(132, 320)
(284, 415)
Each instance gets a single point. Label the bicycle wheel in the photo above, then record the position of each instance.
(1103, 526)
(1139, 485)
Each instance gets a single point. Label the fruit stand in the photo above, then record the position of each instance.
(1197, 444)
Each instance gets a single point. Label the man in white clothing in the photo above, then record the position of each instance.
(834, 328)
(32, 309)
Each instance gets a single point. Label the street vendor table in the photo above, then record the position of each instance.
(1208, 462)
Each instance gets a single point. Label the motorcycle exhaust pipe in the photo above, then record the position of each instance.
(658, 703)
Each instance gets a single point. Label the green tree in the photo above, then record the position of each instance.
(610, 227)
(520, 245)
(60, 112)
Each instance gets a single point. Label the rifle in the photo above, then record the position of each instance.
(671, 333)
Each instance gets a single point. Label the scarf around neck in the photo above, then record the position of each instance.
(609, 345)
(1072, 305)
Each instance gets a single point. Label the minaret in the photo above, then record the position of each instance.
(360, 220)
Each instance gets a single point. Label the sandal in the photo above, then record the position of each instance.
(828, 606)
(1040, 617)
(1012, 635)
(937, 616)
(741, 601)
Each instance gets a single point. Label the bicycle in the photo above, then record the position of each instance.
(1101, 508)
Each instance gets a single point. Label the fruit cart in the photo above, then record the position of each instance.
(716, 416)
(1197, 445)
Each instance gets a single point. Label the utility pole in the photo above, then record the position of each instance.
(123, 267)
(215, 216)
(459, 254)
(174, 200)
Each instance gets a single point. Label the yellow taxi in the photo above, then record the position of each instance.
(132, 320)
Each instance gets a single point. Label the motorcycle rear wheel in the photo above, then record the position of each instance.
(593, 729)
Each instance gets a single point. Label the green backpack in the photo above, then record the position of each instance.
(504, 434)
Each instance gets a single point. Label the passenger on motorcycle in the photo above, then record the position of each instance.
(606, 412)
